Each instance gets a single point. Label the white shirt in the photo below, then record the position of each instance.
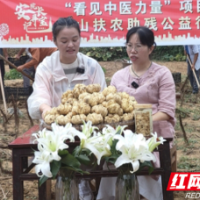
(193, 49)
(51, 82)
(28, 53)
(72, 67)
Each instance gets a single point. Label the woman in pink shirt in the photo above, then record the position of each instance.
(149, 83)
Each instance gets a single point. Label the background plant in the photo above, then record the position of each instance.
(12, 74)
(105, 53)
(169, 53)
(161, 53)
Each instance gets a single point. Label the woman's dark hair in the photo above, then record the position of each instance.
(62, 23)
(145, 34)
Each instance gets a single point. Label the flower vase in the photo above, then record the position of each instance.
(85, 192)
(66, 187)
(127, 187)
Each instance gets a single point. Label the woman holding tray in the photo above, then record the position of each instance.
(61, 72)
(152, 84)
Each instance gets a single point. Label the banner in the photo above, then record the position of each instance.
(25, 23)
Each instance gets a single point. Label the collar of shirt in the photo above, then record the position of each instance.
(58, 72)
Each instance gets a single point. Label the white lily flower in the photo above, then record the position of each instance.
(120, 128)
(98, 145)
(68, 129)
(58, 129)
(71, 131)
(110, 132)
(52, 143)
(40, 134)
(96, 133)
(130, 138)
(154, 141)
(49, 144)
(88, 129)
(86, 136)
(43, 164)
(134, 149)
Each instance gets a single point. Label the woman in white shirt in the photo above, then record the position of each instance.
(61, 72)
(63, 69)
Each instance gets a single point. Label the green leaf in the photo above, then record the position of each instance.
(108, 54)
(42, 180)
(114, 153)
(12, 74)
(88, 53)
(76, 151)
(110, 159)
(55, 167)
(70, 160)
(84, 159)
(147, 164)
(104, 70)
(98, 55)
(73, 169)
(63, 152)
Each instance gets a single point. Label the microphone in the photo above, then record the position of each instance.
(134, 84)
(80, 70)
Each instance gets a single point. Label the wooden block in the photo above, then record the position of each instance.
(178, 95)
(48, 189)
(173, 154)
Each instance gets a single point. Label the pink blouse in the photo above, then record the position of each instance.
(156, 87)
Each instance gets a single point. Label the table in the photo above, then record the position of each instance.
(22, 149)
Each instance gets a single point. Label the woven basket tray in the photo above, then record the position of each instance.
(130, 124)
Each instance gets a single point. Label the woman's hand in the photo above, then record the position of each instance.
(160, 116)
(43, 109)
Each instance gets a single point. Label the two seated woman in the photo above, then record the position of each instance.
(147, 81)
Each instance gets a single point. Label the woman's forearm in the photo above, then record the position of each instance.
(21, 52)
(160, 116)
(31, 63)
(43, 109)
